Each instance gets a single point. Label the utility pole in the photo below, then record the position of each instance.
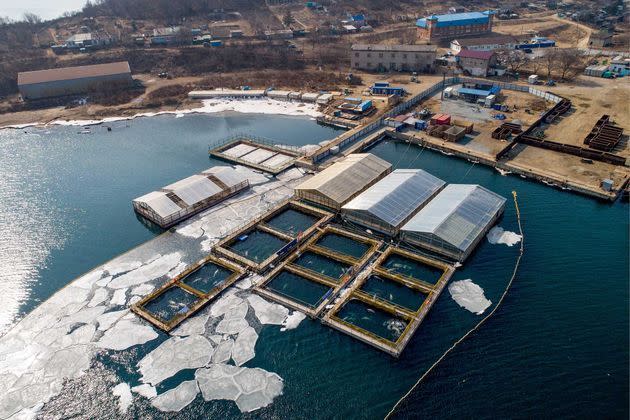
(443, 85)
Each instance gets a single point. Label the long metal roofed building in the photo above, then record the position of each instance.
(341, 182)
(189, 196)
(454, 222)
(393, 200)
(73, 80)
(453, 25)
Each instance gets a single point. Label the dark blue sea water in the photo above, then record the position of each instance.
(558, 347)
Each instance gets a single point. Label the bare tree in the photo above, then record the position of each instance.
(549, 60)
(32, 18)
(288, 19)
(569, 62)
(513, 59)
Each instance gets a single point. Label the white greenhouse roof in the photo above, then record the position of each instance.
(457, 215)
(194, 189)
(191, 190)
(343, 179)
(397, 196)
(160, 203)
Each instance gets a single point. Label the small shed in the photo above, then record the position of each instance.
(310, 97)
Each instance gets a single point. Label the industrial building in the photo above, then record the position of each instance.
(392, 201)
(476, 63)
(498, 42)
(73, 80)
(341, 182)
(454, 222)
(374, 57)
(189, 196)
(453, 25)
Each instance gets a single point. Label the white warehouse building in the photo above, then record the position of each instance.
(392, 201)
(455, 221)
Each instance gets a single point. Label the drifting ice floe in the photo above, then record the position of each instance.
(173, 355)
(177, 398)
(192, 326)
(267, 312)
(468, 295)
(155, 269)
(123, 392)
(250, 388)
(56, 343)
(126, 333)
(146, 390)
(243, 349)
(497, 235)
(292, 321)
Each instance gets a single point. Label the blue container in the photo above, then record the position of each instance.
(365, 105)
(216, 43)
(381, 84)
(421, 125)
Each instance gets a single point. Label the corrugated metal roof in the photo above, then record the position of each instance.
(457, 215)
(394, 48)
(191, 190)
(398, 195)
(160, 203)
(470, 91)
(480, 55)
(194, 189)
(455, 19)
(343, 179)
(69, 73)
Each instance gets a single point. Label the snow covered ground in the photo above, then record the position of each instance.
(59, 340)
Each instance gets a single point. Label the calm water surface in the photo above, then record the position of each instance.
(558, 347)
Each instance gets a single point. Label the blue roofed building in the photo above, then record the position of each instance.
(453, 25)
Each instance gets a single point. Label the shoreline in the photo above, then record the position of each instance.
(208, 106)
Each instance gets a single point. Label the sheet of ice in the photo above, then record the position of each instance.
(267, 312)
(146, 390)
(231, 326)
(115, 268)
(119, 297)
(223, 352)
(292, 321)
(497, 235)
(250, 388)
(106, 320)
(87, 280)
(126, 333)
(100, 295)
(243, 349)
(151, 271)
(177, 398)
(173, 355)
(469, 295)
(123, 392)
(192, 326)
(142, 290)
(224, 304)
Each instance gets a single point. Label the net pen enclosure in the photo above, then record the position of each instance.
(262, 242)
(185, 294)
(182, 199)
(311, 277)
(384, 308)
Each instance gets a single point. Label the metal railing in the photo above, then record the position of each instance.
(256, 139)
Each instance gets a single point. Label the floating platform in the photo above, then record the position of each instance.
(187, 293)
(256, 153)
(267, 239)
(317, 270)
(387, 302)
(189, 196)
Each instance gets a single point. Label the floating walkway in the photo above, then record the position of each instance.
(187, 293)
(266, 239)
(408, 319)
(307, 290)
(256, 153)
